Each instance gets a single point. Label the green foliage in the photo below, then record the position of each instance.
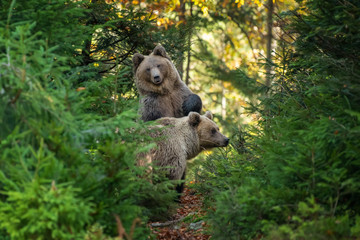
(68, 141)
(68, 136)
(56, 22)
(233, 181)
(217, 69)
(313, 221)
(37, 212)
(297, 176)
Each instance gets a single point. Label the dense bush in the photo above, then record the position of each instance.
(297, 175)
(68, 140)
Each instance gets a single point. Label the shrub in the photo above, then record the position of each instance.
(67, 153)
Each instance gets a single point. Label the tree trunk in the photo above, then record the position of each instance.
(269, 37)
(187, 79)
(223, 102)
(180, 63)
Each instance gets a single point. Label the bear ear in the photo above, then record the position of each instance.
(137, 59)
(160, 51)
(209, 115)
(194, 119)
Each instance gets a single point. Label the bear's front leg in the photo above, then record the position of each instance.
(150, 109)
(192, 103)
(151, 116)
(180, 187)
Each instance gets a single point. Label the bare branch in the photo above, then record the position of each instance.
(168, 223)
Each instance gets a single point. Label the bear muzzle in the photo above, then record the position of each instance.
(156, 76)
(220, 143)
(157, 80)
(226, 141)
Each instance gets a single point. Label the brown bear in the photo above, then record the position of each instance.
(182, 139)
(162, 92)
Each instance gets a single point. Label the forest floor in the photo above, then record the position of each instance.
(187, 223)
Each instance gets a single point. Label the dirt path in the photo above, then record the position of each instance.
(187, 223)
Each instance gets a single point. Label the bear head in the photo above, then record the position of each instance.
(154, 73)
(207, 130)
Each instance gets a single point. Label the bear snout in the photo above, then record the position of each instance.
(157, 79)
(226, 141)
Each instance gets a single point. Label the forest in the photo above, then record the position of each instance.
(281, 78)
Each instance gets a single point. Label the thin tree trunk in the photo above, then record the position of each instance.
(269, 38)
(223, 102)
(86, 53)
(223, 97)
(187, 79)
(180, 63)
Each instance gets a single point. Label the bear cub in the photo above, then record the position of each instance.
(162, 92)
(184, 139)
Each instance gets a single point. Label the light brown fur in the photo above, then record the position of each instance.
(162, 92)
(184, 139)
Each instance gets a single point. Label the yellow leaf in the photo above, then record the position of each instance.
(205, 10)
(179, 23)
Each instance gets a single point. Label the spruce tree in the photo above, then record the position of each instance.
(296, 176)
(69, 132)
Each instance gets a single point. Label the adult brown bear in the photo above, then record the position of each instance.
(162, 92)
(182, 139)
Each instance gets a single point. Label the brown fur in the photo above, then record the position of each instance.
(162, 92)
(184, 139)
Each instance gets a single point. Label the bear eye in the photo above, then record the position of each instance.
(158, 65)
(213, 131)
(148, 69)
